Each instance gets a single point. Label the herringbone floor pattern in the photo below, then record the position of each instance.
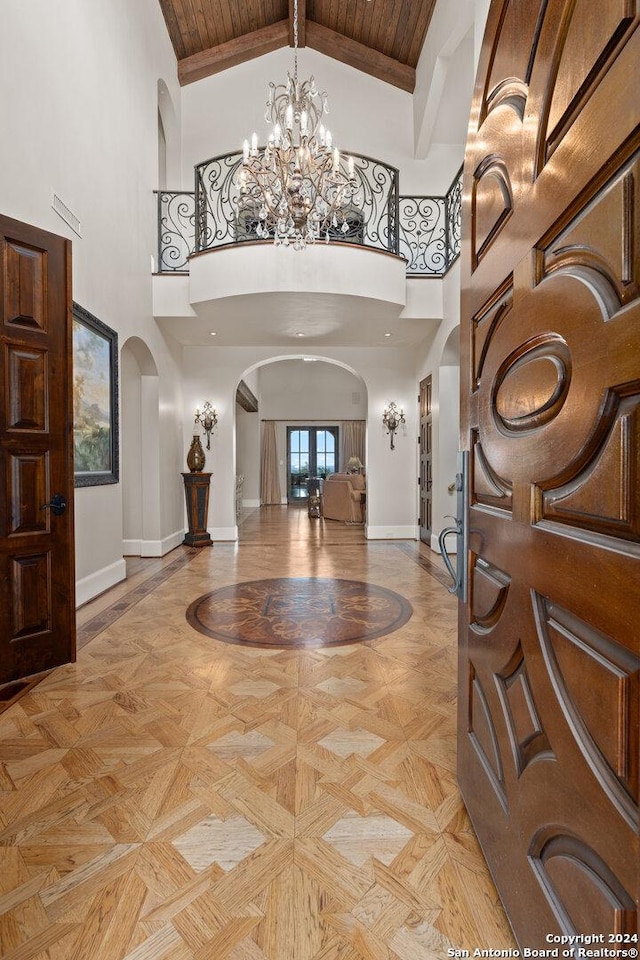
(172, 797)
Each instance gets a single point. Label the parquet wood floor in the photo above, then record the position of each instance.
(172, 797)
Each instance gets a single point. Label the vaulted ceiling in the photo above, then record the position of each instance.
(381, 37)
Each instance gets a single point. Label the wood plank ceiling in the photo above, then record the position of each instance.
(381, 37)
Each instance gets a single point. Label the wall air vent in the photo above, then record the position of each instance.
(67, 215)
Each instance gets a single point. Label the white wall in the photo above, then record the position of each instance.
(248, 445)
(305, 389)
(78, 106)
(248, 455)
(445, 78)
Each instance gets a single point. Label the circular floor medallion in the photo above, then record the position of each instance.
(296, 612)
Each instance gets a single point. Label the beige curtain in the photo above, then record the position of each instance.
(269, 478)
(352, 434)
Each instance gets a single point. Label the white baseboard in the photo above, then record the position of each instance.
(158, 548)
(223, 533)
(407, 532)
(96, 583)
(250, 503)
(132, 548)
(152, 548)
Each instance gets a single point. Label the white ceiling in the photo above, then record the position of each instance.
(292, 318)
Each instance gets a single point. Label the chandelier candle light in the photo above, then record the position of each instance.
(297, 187)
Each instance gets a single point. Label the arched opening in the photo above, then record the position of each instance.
(140, 466)
(168, 141)
(448, 428)
(316, 410)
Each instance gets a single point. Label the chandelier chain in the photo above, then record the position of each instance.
(297, 188)
(295, 41)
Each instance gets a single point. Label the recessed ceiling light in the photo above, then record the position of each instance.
(387, 334)
(299, 334)
(213, 333)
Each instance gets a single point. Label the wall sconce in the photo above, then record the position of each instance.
(207, 420)
(392, 418)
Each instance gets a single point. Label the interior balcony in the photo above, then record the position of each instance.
(216, 271)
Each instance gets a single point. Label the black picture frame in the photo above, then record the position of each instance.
(95, 401)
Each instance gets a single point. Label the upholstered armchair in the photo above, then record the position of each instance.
(343, 497)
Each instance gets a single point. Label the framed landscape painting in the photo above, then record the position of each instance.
(95, 400)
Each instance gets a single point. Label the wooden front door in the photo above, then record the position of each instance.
(426, 479)
(37, 595)
(550, 637)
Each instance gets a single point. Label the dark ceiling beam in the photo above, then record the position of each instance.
(302, 23)
(361, 57)
(233, 52)
(246, 398)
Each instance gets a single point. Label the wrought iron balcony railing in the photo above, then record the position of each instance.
(176, 230)
(372, 223)
(430, 231)
(423, 230)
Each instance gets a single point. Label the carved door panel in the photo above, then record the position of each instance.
(426, 478)
(37, 608)
(550, 636)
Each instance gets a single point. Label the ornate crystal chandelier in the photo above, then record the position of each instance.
(297, 188)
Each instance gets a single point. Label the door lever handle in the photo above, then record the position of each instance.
(448, 531)
(57, 504)
(460, 528)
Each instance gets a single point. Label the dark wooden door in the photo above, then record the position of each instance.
(426, 444)
(549, 639)
(37, 608)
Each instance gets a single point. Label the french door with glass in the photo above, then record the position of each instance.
(311, 452)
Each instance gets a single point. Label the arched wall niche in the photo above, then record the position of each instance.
(140, 458)
(451, 349)
(169, 151)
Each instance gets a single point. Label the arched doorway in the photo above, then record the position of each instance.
(448, 426)
(311, 406)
